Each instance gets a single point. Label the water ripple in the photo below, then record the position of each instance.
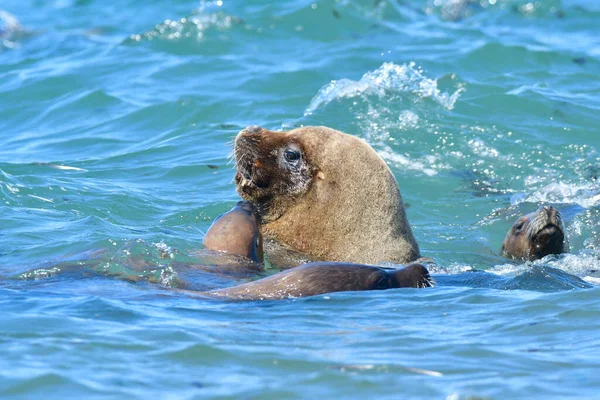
(117, 121)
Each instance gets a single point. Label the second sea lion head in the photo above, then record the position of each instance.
(237, 232)
(536, 235)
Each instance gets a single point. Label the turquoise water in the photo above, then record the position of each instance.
(117, 120)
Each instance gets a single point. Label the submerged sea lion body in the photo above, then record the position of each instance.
(237, 232)
(536, 235)
(325, 193)
(319, 278)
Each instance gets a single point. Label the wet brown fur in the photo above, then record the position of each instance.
(345, 205)
(236, 232)
(536, 235)
(319, 278)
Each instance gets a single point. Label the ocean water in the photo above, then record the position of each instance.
(117, 120)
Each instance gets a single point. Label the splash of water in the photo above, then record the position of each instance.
(388, 80)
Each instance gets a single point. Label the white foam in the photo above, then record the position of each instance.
(192, 27)
(481, 149)
(9, 21)
(66, 168)
(575, 264)
(510, 270)
(586, 195)
(164, 250)
(41, 198)
(405, 78)
(424, 166)
(9, 29)
(12, 189)
(592, 279)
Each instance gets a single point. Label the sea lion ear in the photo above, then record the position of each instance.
(321, 175)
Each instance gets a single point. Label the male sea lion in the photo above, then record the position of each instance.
(237, 232)
(325, 193)
(327, 277)
(536, 235)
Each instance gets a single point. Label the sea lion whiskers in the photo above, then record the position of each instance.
(239, 161)
(235, 158)
(427, 281)
(231, 158)
(243, 171)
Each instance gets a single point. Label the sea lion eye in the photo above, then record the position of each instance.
(291, 155)
(519, 226)
(382, 284)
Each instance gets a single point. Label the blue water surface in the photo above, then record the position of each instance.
(117, 120)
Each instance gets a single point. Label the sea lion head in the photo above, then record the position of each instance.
(536, 235)
(271, 169)
(414, 275)
(237, 232)
(325, 193)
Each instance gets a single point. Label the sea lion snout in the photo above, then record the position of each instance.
(247, 153)
(414, 275)
(270, 166)
(549, 210)
(546, 219)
